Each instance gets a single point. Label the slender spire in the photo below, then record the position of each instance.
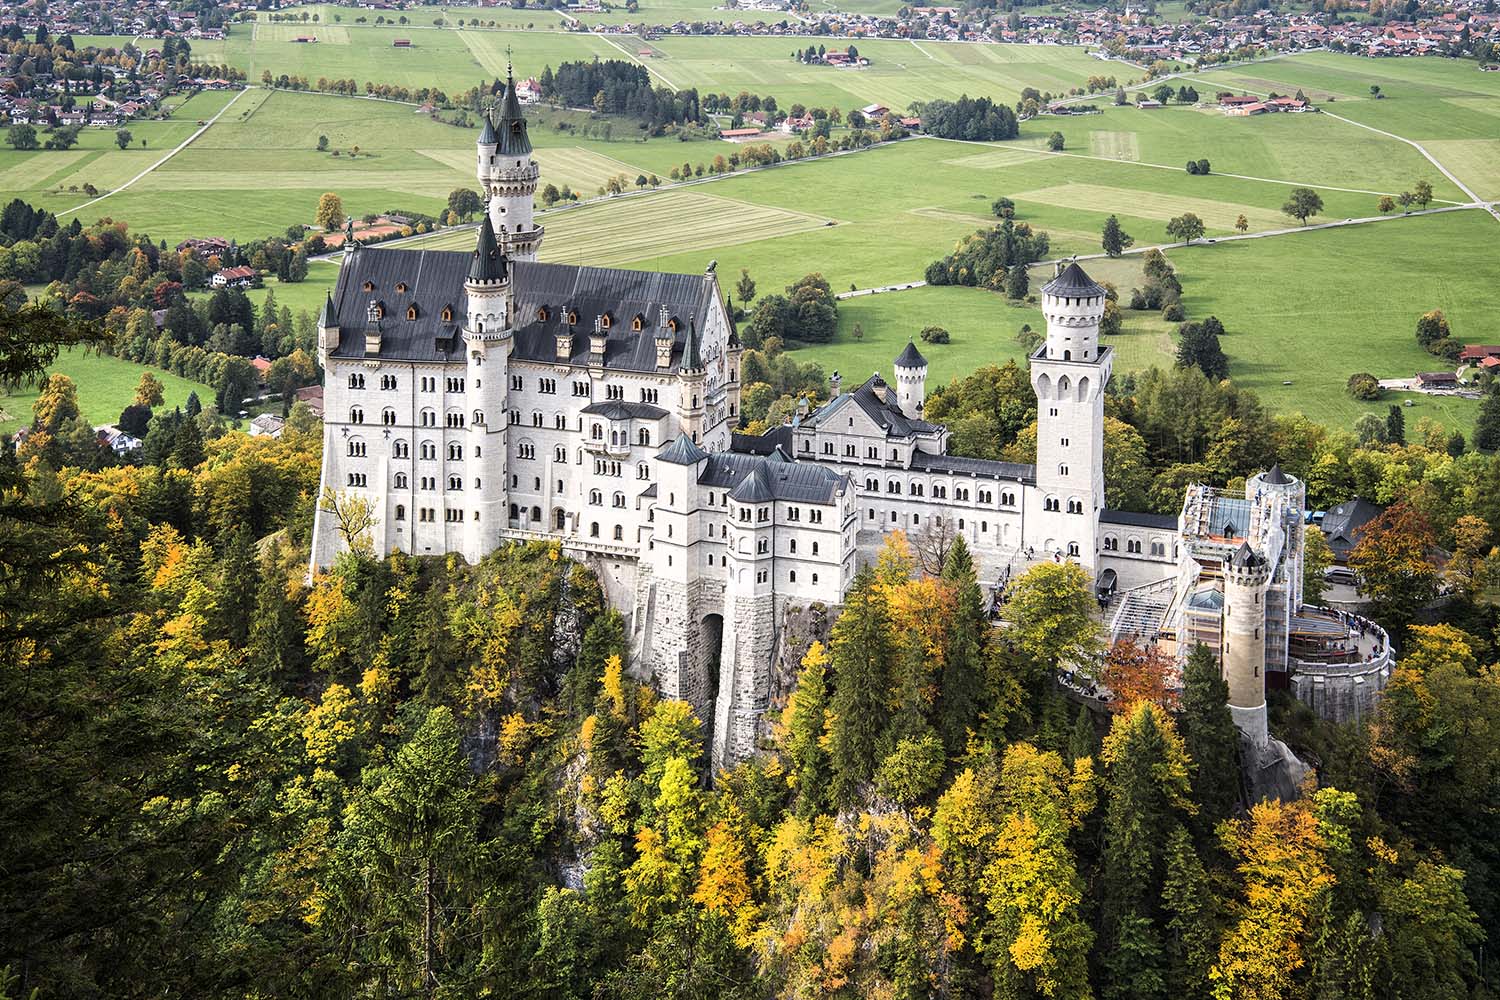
(690, 359)
(510, 123)
(327, 318)
(487, 133)
(489, 263)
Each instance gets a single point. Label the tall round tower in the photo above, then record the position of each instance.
(1069, 373)
(1290, 494)
(487, 343)
(1246, 574)
(911, 381)
(508, 176)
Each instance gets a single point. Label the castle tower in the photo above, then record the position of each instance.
(1246, 574)
(508, 176)
(750, 619)
(690, 378)
(677, 647)
(1069, 373)
(1291, 495)
(487, 343)
(911, 381)
(328, 330)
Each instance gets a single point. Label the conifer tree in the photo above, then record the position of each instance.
(1189, 905)
(804, 719)
(1147, 786)
(962, 679)
(274, 638)
(237, 596)
(861, 655)
(1212, 741)
(1115, 240)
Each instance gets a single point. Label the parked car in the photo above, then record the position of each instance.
(1339, 574)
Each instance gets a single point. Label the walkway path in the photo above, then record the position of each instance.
(184, 145)
(1488, 206)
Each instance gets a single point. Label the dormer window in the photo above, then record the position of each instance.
(380, 310)
(605, 320)
(401, 287)
(541, 314)
(637, 323)
(672, 324)
(447, 314)
(368, 286)
(411, 311)
(572, 317)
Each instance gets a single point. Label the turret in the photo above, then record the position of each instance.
(1073, 304)
(690, 377)
(328, 330)
(1069, 373)
(1246, 574)
(911, 381)
(481, 402)
(509, 175)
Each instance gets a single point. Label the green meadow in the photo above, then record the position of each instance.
(1303, 310)
(106, 386)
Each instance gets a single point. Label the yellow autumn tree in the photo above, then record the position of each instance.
(723, 882)
(1279, 851)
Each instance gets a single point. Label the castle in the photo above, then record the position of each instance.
(482, 397)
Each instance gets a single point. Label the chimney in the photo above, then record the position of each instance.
(664, 341)
(596, 342)
(372, 328)
(834, 381)
(564, 338)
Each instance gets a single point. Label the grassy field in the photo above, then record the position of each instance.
(879, 217)
(106, 386)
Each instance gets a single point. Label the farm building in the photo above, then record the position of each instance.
(1437, 380)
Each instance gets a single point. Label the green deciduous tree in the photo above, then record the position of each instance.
(1303, 204)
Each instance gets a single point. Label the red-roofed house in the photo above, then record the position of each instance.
(233, 277)
(1478, 352)
(740, 134)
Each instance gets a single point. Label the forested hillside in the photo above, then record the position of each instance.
(418, 778)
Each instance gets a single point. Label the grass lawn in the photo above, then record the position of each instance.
(106, 386)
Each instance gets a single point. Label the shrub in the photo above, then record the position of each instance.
(1173, 312)
(1364, 386)
(935, 335)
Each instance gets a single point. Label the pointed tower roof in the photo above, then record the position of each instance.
(487, 133)
(911, 357)
(754, 488)
(510, 123)
(328, 317)
(1276, 477)
(690, 359)
(682, 452)
(489, 262)
(1073, 282)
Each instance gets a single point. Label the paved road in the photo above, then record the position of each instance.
(184, 145)
(1487, 206)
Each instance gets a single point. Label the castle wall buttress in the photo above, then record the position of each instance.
(752, 620)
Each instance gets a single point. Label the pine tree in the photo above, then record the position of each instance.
(1017, 282)
(1395, 425)
(961, 685)
(241, 580)
(404, 879)
(1083, 741)
(1211, 738)
(274, 640)
(862, 651)
(1147, 786)
(804, 718)
(1189, 905)
(1487, 428)
(1115, 240)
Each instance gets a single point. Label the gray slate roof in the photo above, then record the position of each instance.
(757, 479)
(1073, 282)
(435, 278)
(887, 415)
(682, 452)
(510, 124)
(615, 409)
(984, 468)
(1137, 519)
(911, 357)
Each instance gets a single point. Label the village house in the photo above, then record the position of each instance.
(233, 277)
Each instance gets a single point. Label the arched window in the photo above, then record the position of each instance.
(541, 314)
(411, 311)
(596, 432)
(400, 480)
(388, 416)
(1075, 506)
(401, 450)
(455, 453)
(1111, 543)
(1052, 503)
(401, 512)
(356, 381)
(356, 415)
(619, 533)
(455, 483)
(447, 314)
(636, 323)
(644, 437)
(596, 498)
(479, 418)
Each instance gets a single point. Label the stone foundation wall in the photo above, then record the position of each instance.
(750, 633)
(1341, 692)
